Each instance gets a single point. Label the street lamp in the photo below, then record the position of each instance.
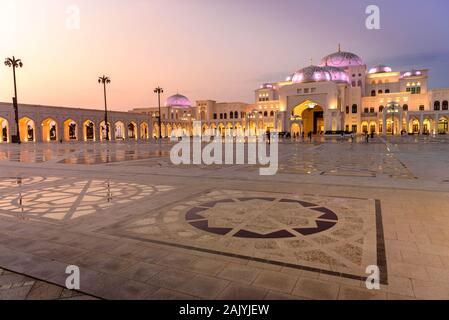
(159, 90)
(15, 63)
(105, 80)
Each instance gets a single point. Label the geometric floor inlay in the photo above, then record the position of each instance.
(331, 235)
(61, 199)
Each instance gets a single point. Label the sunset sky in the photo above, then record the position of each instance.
(205, 49)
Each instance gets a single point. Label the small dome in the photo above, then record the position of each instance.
(380, 68)
(342, 59)
(312, 74)
(178, 101)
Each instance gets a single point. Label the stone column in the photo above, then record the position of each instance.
(38, 133)
(384, 124)
(421, 124)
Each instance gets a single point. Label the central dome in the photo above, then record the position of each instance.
(178, 101)
(342, 59)
(311, 74)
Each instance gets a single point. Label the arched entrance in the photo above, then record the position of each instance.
(70, 130)
(414, 126)
(144, 131)
(427, 126)
(49, 130)
(119, 130)
(89, 130)
(443, 126)
(4, 130)
(295, 130)
(103, 131)
(372, 127)
(312, 117)
(132, 131)
(27, 130)
(365, 127)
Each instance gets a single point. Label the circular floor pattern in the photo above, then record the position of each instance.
(317, 218)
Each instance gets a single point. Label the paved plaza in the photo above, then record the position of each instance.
(140, 227)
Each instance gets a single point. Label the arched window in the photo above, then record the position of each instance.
(381, 109)
(380, 92)
(405, 107)
(265, 114)
(221, 115)
(272, 114)
(347, 110)
(215, 116)
(236, 115)
(354, 108)
(225, 115)
(231, 115)
(387, 91)
(373, 93)
(436, 105)
(445, 105)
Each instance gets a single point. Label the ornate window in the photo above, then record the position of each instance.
(436, 106)
(354, 108)
(405, 107)
(445, 105)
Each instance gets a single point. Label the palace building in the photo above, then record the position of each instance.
(341, 94)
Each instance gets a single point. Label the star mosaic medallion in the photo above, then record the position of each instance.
(331, 235)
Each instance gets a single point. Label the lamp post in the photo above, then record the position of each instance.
(159, 90)
(15, 63)
(105, 80)
(393, 108)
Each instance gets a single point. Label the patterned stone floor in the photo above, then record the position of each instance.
(15, 286)
(141, 228)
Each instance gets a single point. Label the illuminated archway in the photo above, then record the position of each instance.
(89, 130)
(119, 130)
(144, 134)
(414, 126)
(365, 127)
(372, 127)
(103, 131)
(295, 130)
(155, 130)
(49, 130)
(312, 116)
(443, 126)
(70, 130)
(27, 130)
(426, 126)
(132, 131)
(4, 130)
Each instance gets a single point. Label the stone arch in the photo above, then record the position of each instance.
(4, 130)
(103, 131)
(144, 134)
(70, 130)
(89, 130)
(132, 131)
(443, 125)
(119, 130)
(27, 129)
(414, 126)
(49, 130)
